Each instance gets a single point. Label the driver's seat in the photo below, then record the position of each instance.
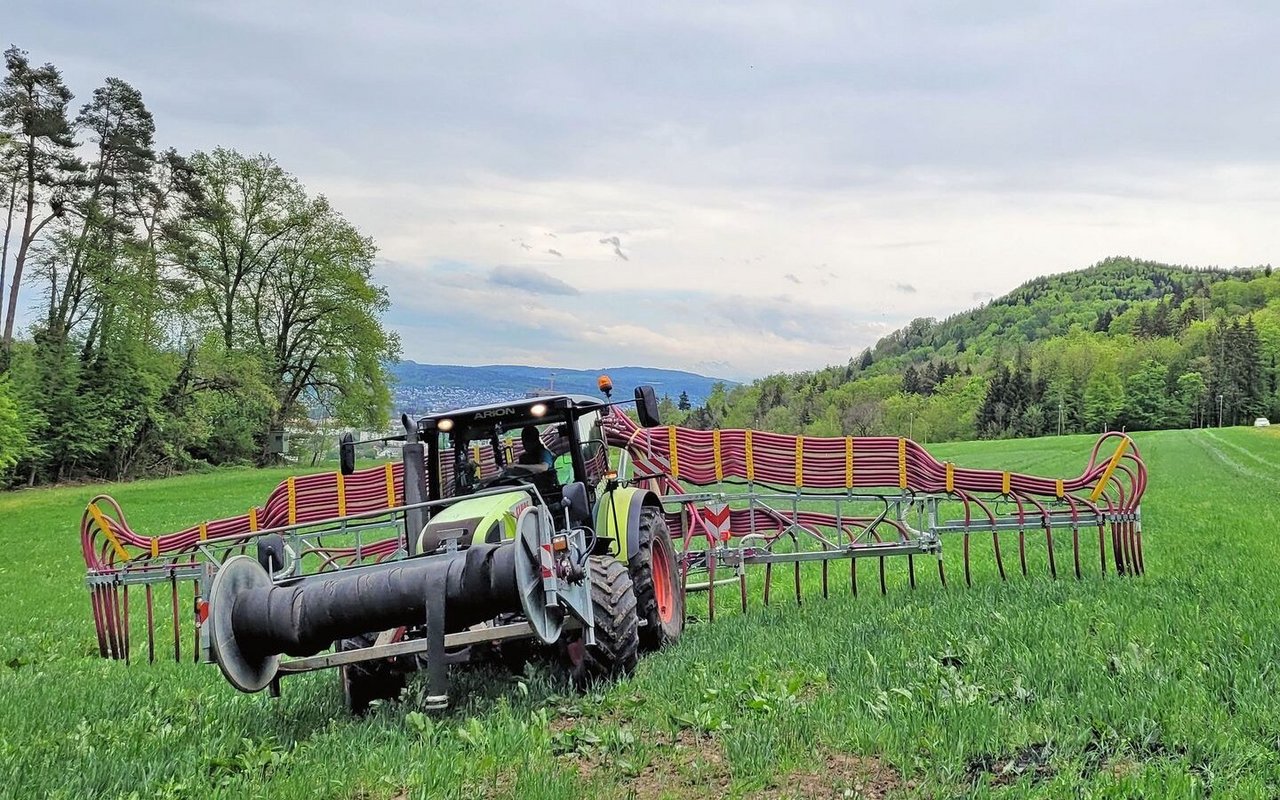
(548, 485)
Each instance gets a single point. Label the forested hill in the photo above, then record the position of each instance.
(1053, 305)
(1124, 343)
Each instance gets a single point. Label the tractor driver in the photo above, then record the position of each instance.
(535, 452)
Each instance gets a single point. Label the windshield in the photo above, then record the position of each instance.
(472, 456)
(468, 456)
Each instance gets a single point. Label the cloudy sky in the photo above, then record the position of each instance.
(734, 188)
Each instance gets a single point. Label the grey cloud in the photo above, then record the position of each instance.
(712, 367)
(617, 246)
(530, 280)
(569, 333)
(793, 320)
(905, 288)
(555, 252)
(791, 277)
(979, 296)
(995, 96)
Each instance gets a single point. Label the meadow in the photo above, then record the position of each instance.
(1160, 686)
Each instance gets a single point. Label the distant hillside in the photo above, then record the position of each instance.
(1053, 305)
(434, 387)
(1123, 344)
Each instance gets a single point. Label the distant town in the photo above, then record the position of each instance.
(426, 388)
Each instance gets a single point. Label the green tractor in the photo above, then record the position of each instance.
(470, 475)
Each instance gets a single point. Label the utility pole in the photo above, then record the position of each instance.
(1219, 411)
(1059, 416)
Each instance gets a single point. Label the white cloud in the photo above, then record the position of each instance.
(772, 173)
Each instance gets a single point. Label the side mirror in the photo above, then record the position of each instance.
(647, 407)
(347, 454)
(410, 428)
(574, 496)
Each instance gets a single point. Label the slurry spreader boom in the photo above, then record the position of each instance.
(560, 522)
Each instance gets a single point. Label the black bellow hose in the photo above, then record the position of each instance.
(306, 617)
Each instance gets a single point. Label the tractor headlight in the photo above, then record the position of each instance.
(538, 409)
(445, 425)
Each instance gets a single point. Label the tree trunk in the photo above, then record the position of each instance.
(23, 244)
(8, 229)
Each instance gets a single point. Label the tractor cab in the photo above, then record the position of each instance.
(546, 442)
(547, 450)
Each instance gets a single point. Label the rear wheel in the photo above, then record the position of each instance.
(617, 644)
(659, 599)
(368, 681)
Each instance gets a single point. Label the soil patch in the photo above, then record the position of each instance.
(695, 766)
(843, 776)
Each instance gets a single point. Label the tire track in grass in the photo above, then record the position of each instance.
(1264, 462)
(1217, 453)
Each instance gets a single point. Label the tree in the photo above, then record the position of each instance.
(13, 429)
(88, 273)
(315, 316)
(910, 380)
(247, 207)
(10, 179)
(33, 106)
(863, 417)
(666, 407)
(684, 404)
(1103, 399)
(1190, 398)
(1146, 397)
(286, 282)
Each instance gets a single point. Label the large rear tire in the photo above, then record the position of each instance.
(659, 599)
(368, 681)
(617, 646)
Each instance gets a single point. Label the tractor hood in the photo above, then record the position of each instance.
(481, 519)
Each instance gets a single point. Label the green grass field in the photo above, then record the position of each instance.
(1164, 686)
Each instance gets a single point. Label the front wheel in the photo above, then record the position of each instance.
(368, 681)
(617, 646)
(657, 585)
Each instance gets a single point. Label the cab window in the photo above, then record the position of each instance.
(595, 455)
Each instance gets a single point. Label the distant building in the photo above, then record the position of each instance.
(544, 391)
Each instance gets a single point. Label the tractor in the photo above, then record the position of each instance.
(520, 540)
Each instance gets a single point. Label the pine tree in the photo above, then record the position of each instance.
(910, 380)
(1142, 326)
(1253, 384)
(1160, 320)
(929, 378)
(33, 107)
(95, 281)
